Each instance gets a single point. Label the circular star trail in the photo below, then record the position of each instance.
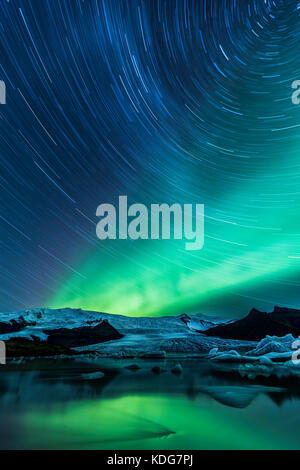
(185, 101)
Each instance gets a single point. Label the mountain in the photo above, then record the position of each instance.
(256, 325)
(83, 336)
(44, 323)
(109, 334)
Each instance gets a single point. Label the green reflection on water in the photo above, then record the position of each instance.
(158, 422)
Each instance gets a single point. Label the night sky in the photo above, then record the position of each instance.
(176, 101)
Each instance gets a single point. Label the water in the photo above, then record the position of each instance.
(49, 405)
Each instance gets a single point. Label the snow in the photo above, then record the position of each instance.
(146, 335)
(198, 323)
(142, 335)
(272, 355)
(230, 356)
(265, 361)
(273, 344)
(213, 352)
(46, 318)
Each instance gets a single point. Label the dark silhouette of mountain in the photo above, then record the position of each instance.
(84, 335)
(256, 325)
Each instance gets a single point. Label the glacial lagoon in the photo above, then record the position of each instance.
(67, 404)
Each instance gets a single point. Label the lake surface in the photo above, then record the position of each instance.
(50, 405)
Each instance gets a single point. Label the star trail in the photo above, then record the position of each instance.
(165, 101)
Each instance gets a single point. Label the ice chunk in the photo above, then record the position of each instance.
(265, 360)
(213, 351)
(273, 344)
(93, 376)
(228, 356)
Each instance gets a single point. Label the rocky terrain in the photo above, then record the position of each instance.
(83, 335)
(257, 325)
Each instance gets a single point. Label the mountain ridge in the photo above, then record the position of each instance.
(256, 325)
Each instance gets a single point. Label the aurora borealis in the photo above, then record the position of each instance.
(165, 101)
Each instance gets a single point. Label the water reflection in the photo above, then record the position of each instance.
(51, 404)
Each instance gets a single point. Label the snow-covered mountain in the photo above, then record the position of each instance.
(35, 322)
(113, 335)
